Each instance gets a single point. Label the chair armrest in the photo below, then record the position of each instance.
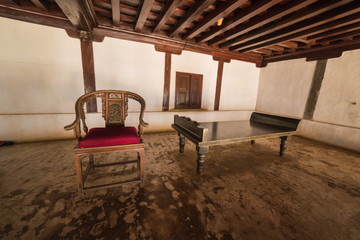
(76, 127)
(145, 124)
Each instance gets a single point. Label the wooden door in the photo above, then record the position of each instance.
(188, 90)
(195, 90)
(182, 90)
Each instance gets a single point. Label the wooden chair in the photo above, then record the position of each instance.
(114, 137)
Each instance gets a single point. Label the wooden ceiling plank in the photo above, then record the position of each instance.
(190, 15)
(313, 30)
(304, 24)
(245, 14)
(78, 13)
(168, 9)
(274, 13)
(339, 36)
(334, 31)
(40, 4)
(144, 12)
(223, 10)
(115, 11)
(286, 21)
(329, 49)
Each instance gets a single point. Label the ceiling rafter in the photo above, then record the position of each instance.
(40, 4)
(81, 14)
(302, 14)
(339, 36)
(245, 14)
(275, 36)
(190, 16)
(259, 29)
(212, 17)
(115, 11)
(169, 8)
(321, 50)
(334, 31)
(144, 12)
(274, 13)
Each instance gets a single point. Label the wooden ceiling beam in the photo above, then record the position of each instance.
(334, 31)
(321, 51)
(245, 14)
(168, 9)
(274, 13)
(221, 11)
(197, 9)
(80, 13)
(115, 11)
(144, 12)
(338, 12)
(313, 30)
(339, 36)
(41, 4)
(285, 22)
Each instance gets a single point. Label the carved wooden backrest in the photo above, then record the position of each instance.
(114, 109)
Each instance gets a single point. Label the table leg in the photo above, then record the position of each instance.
(181, 142)
(283, 145)
(201, 157)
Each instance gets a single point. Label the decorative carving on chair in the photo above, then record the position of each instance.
(115, 113)
(115, 95)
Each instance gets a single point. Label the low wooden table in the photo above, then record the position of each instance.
(206, 134)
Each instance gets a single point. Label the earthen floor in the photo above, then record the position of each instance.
(245, 192)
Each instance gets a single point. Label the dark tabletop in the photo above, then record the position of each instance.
(240, 129)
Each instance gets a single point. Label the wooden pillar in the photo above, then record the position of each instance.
(87, 57)
(166, 96)
(219, 80)
(167, 71)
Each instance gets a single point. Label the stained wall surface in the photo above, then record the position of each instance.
(41, 78)
(284, 89)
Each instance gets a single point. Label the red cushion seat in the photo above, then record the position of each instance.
(109, 136)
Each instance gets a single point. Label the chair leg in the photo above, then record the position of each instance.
(142, 177)
(91, 162)
(138, 160)
(79, 176)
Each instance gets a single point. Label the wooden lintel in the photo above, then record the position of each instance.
(42, 18)
(227, 60)
(317, 57)
(155, 39)
(168, 49)
(79, 12)
(166, 96)
(87, 57)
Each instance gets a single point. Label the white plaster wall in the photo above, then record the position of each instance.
(284, 87)
(239, 86)
(339, 98)
(130, 66)
(41, 78)
(40, 67)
